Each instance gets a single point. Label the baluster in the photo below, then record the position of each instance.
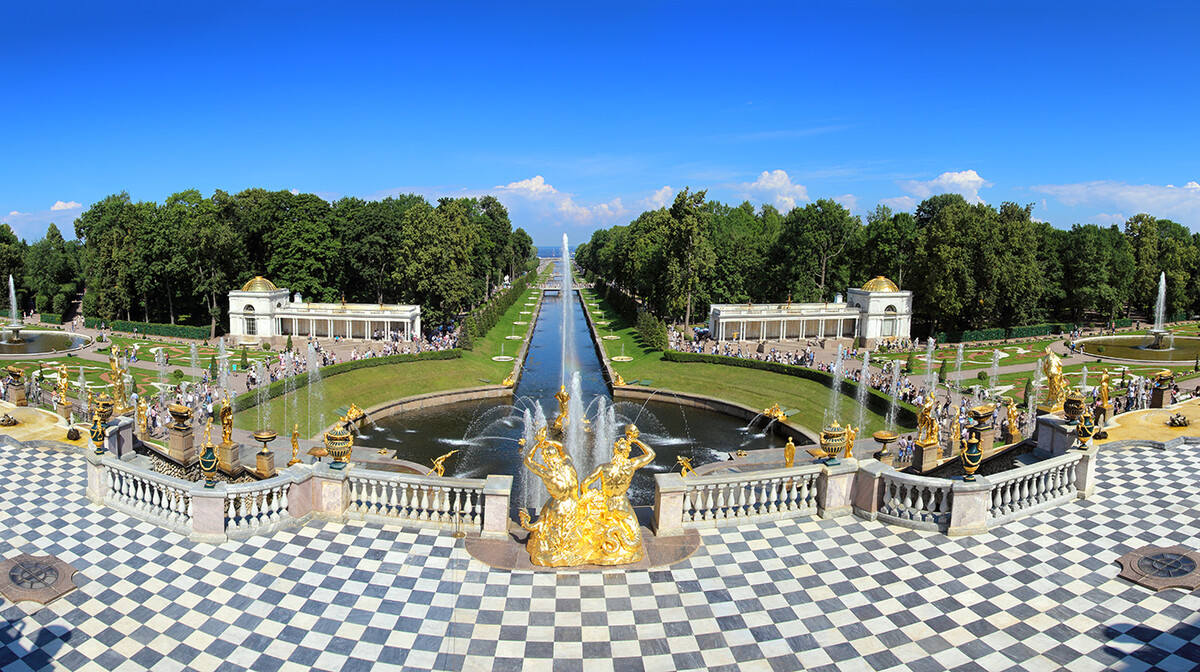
(908, 500)
(377, 497)
(424, 515)
(724, 503)
(112, 483)
(743, 499)
(177, 507)
(689, 505)
(189, 508)
(772, 496)
(243, 511)
(393, 499)
(443, 504)
(404, 493)
(706, 502)
(452, 496)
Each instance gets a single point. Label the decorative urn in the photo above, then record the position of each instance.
(104, 407)
(971, 458)
(208, 464)
(97, 434)
(265, 436)
(338, 442)
(833, 442)
(14, 374)
(182, 415)
(884, 437)
(1073, 406)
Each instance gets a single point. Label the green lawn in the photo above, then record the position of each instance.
(750, 387)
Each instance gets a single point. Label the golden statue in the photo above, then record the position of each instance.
(227, 421)
(295, 445)
(620, 535)
(354, 413)
(64, 381)
(1104, 388)
(141, 414)
(508, 381)
(927, 425)
(1014, 423)
(91, 401)
(851, 432)
(208, 433)
(775, 413)
(556, 539)
(560, 422)
(439, 464)
(685, 466)
(618, 381)
(118, 376)
(789, 454)
(1056, 389)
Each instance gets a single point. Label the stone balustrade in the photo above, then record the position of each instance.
(918, 502)
(422, 501)
(148, 495)
(734, 498)
(1019, 492)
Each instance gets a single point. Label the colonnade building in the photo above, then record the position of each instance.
(879, 311)
(260, 312)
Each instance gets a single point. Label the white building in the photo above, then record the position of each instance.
(260, 311)
(879, 310)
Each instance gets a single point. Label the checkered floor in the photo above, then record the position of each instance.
(842, 594)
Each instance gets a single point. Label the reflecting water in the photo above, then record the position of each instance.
(40, 341)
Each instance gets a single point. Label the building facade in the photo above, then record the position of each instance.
(260, 312)
(879, 310)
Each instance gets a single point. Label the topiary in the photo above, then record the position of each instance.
(942, 372)
(245, 363)
(289, 343)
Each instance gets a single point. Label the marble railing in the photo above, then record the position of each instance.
(421, 501)
(1025, 490)
(918, 502)
(735, 498)
(260, 507)
(148, 495)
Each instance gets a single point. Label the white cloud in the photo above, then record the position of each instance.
(659, 199)
(900, 203)
(14, 213)
(850, 201)
(69, 205)
(775, 186)
(966, 182)
(537, 198)
(295, 192)
(1169, 201)
(1104, 219)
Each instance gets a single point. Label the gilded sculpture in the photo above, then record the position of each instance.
(1056, 389)
(226, 421)
(685, 466)
(118, 378)
(141, 414)
(789, 454)
(620, 539)
(578, 526)
(851, 432)
(560, 421)
(1104, 388)
(927, 425)
(64, 381)
(295, 445)
(439, 464)
(1014, 422)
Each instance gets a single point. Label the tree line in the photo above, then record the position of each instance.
(969, 266)
(175, 262)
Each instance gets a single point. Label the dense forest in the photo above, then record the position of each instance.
(176, 261)
(969, 266)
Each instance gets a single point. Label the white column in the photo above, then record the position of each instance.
(821, 327)
(841, 322)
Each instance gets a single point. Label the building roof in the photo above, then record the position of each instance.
(259, 284)
(880, 284)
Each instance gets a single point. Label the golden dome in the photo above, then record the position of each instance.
(880, 284)
(261, 284)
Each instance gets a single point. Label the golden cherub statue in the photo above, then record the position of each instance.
(851, 432)
(64, 381)
(439, 464)
(685, 466)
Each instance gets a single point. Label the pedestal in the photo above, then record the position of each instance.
(668, 504)
(497, 492)
(118, 436)
(835, 488)
(64, 410)
(229, 459)
(181, 445)
(955, 440)
(16, 395)
(266, 464)
(1104, 413)
(926, 454)
(969, 513)
(1055, 436)
(1160, 397)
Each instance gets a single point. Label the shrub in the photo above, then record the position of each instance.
(1100, 349)
(51, 318)
(167, 330)
(177, 374)
(212, 367)
(266, 346)
(942, 371)
(1028, 389)
(289, 343)
(245, 363)
(909, 363)
(59, 305)
(652, 331)
(466, 335)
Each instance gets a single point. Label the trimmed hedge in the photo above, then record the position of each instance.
(480, 322)
(652, 331)
(51, 318)
(275, 389)
(1123, 322)
(877, 401)
(150, 328)
(999, 333)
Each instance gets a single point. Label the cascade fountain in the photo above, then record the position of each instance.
(316, 394)
(833, 408)
(958, 362)
(160, 360)
(860, 395)
(1160, 310)
(994, 372)
(895, 390)
(930, 371)
(14, 322)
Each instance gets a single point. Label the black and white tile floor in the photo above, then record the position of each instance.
(843, 594)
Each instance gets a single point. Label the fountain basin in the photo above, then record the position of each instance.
(33, 341)
(502, 358)
(622, 358)
(515, 338)
(611, 338)
(1137, 347)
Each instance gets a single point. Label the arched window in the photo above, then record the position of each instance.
(248, 309)
(890, 310)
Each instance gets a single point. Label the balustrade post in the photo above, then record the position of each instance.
(97, 478)
(497, 492)
(208, 513)
(669, 489)
(835, 489)
(868, 488)
(969, 505)
(1085, 472)
(330, 492)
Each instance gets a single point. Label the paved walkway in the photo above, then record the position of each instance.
(829, 595)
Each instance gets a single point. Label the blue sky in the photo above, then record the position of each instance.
(581, 117)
